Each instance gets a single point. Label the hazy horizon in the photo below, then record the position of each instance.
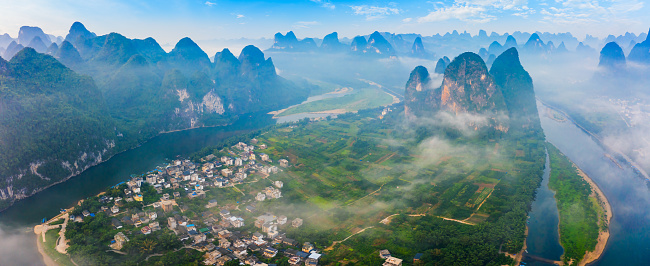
(217, 20)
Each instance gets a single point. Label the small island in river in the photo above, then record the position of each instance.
(584, 210)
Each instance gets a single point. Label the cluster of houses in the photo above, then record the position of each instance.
(203, 233)
(235, 245)
(270, 192)
(212, 172)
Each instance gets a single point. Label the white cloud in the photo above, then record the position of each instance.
(407, 20)
(374, 12)
(497, 4)
(477, 11)
(324, 3)
(580, 12)
(305, 24)
(465, 12)
(240, 16)
(208, 3)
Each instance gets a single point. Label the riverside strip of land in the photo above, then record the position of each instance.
(584, 210)
(603, 235)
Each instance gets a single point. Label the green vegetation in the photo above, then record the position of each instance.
(578, 214)
(49, 247)
(181, 257)
(55, 123)
(351, 173)
(50, 115)
(365, 98)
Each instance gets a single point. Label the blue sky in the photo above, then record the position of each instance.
(170, 20)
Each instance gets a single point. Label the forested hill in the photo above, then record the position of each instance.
(148, 90)
(54, 124)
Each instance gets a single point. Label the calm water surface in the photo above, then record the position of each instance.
(627, 192)
(543, 238)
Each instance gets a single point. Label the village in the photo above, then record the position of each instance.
(216, 231)
(222, 205)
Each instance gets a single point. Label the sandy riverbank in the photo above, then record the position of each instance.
(603, 236)
(46, 259)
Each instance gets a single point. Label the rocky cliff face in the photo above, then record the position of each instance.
(504, 95)
(418, 95)
(517, 88)
(467, 87)
(612, 57)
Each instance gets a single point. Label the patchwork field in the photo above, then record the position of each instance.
(348, 175)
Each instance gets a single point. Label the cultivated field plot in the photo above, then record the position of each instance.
(353, 174)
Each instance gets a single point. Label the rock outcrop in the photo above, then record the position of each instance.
(517, 88)
(612, 57)
(418, 51)
(331, 43)
(504, 96)
(441, 65)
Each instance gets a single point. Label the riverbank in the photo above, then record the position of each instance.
(47, 260)
(603, 235)
(585, 212)
(599, 141)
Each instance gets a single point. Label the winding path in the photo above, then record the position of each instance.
(337, 242)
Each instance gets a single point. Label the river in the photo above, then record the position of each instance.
(629, 195)
(627, 192)
(543, 237)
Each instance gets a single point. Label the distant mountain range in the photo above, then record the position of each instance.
(613, 60)
(389, 45)
(58, 122)
(375, 45)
